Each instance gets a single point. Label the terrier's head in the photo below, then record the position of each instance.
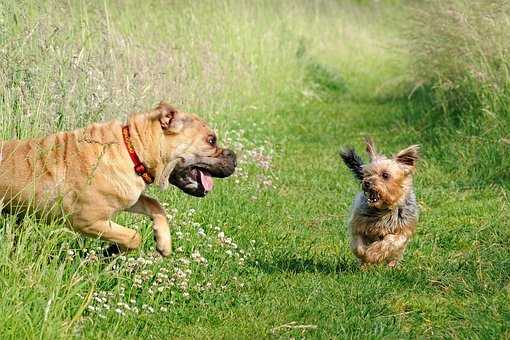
(385, 181)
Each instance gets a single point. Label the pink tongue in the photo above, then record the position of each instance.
(207, 181)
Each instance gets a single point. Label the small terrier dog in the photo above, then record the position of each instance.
(385, 213)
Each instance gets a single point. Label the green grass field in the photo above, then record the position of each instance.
(266, 254)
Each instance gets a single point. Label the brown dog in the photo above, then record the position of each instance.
(92, 173)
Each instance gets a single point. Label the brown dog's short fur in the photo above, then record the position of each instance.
(87, 174)
(385, 213)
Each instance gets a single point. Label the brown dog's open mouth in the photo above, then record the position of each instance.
(203, 178)
(196, 179)
(192, 180)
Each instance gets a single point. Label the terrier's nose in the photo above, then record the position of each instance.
(366, 185)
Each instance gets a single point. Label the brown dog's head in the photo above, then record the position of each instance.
(385, 181)
(194, 151)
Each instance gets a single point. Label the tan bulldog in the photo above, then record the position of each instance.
(92, 173)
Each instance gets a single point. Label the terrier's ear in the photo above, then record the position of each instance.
(372, 153)
(168, 118)
(408, 156)
(353, 162)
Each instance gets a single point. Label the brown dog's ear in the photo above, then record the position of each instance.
(408, 156)
(372, 153)
(168, 117)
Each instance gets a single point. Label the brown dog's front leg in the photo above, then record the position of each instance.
(150, 207)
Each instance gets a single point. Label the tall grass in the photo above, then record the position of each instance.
(69, 63)
(65, 64)
(461, 53)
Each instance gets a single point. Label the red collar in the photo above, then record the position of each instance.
(140, 168)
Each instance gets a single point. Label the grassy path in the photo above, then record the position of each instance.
(299, 278)
(453, 281)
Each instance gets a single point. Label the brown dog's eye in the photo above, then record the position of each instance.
(385, 175)
(211, 140)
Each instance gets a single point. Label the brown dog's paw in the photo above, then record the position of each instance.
(164, 250)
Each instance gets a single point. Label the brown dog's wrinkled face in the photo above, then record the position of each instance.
(199, 157)
(386, 181)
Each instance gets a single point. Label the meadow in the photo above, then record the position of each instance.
(285, 84)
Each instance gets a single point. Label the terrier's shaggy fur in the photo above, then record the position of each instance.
(385, 212)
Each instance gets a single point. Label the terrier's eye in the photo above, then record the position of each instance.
(385, 175)
(211, 140)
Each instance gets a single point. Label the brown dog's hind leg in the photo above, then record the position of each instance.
(150, 207)
(124, 239)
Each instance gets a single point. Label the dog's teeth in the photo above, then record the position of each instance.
(192, 185)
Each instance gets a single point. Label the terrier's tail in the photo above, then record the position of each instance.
(353, 162)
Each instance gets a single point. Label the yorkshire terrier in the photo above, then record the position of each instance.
(385, 212)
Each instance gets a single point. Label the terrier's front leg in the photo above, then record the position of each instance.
(150, 207)
(358, 246)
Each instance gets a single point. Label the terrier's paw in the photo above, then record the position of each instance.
(392, 263)
(365, 266)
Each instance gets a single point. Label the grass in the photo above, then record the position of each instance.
(285, 84)
(460, 54)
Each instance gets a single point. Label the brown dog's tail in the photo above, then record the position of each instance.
(353, 162)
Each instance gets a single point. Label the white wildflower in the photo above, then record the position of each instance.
(201, 232)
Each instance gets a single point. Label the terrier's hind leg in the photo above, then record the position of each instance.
(389, 249)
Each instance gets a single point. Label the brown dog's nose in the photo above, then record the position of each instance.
(366, 185)
(230, 154)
